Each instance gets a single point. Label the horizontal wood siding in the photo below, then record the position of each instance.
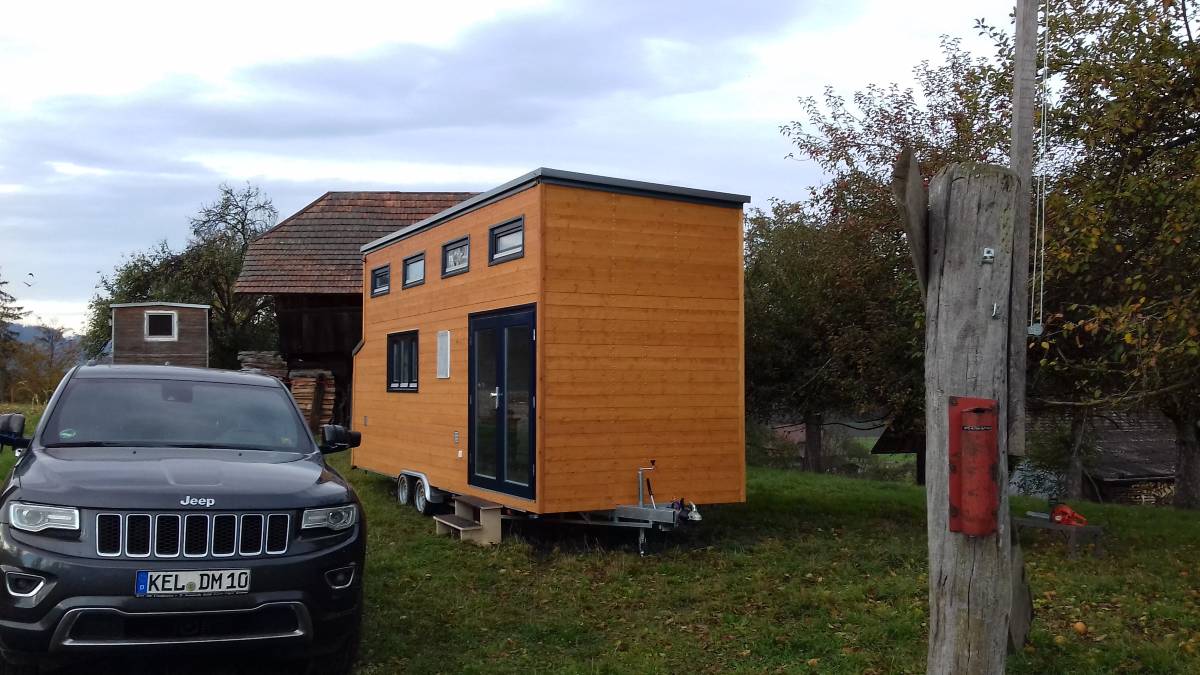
(130, 345)
(642, 350)
(415, 431)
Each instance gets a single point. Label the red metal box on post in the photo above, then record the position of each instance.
(974, 465)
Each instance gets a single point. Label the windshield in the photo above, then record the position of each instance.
(174, 413)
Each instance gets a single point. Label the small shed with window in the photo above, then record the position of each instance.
(538, 343)
(160, 333)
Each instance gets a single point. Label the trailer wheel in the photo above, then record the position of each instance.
(404, 489)
(419, 501)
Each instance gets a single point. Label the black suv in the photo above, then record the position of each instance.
(178, 509)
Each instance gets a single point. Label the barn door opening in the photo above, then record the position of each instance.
(501, 401)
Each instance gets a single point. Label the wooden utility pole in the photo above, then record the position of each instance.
(1021, 161)
(971, 252)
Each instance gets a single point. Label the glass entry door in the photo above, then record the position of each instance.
(501, 401)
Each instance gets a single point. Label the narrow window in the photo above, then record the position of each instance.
(414, 270)
(456, 257)
(506, 241)
(162, 326)
(443, 354)
(402, 361)
(381, 280)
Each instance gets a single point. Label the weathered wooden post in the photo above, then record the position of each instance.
(969, 286)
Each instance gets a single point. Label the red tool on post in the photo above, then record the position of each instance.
(974, 466)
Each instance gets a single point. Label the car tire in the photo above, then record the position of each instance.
(341, 660)
(404, 489)
(8, 668)
(420, 502)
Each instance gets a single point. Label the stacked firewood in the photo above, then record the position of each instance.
(267, 363)
(313, 389)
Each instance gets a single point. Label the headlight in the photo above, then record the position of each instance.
(336, 518)
(38, 517)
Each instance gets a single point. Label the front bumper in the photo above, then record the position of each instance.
(87, 605)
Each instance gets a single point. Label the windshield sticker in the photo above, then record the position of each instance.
(66, 434)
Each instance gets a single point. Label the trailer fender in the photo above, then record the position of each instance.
(432, 494)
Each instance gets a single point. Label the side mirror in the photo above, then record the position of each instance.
(12, 431)
(336, 438)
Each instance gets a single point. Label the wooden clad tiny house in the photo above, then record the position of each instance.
(159, 333)
(539, 343)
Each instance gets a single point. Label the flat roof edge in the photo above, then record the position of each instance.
(568, 178)
(159, 304)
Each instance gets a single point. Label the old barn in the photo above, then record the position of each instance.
(311, 265)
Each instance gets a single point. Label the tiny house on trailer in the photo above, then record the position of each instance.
(540, 345)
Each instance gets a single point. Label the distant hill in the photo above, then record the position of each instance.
(28, 334)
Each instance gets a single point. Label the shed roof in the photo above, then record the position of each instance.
(316, 250)
(1130, 444)
(185, 305)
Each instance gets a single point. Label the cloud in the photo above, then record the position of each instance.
(105, 150)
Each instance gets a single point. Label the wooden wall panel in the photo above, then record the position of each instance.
(130, 345)
(642, 350)
(415, 431)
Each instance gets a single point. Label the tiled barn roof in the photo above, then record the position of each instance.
(316, 250)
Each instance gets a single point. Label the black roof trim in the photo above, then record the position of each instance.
(569, 178)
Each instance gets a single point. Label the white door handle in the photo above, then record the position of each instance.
(495, 399)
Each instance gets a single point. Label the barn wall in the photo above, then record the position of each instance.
(642, 350)
(131, 347)
(415, 431)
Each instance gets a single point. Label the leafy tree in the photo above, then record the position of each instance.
(10, 313)
(834, 316)
(204, 272)
(1123, 245)
(37, 367)
(1122, 298)
(831, 316)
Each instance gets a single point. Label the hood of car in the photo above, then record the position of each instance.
(176, 478)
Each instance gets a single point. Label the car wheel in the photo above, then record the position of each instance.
(341, 660)
(419, 501)
(404, 489)
(7, 668)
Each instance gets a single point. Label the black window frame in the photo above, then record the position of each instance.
(450, 245)
(413, 340)
(377, 291)
(404, 282)
(500, 229)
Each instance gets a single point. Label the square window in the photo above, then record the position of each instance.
(161, 326)
(414, 270)
(456, 257)
(402, 360)
(506, 241)
(381, 280)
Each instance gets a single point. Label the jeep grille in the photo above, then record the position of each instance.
(192, 535)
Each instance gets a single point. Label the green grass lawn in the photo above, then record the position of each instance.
(811, 567)
(817, 570)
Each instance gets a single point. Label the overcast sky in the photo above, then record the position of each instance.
(118, 119)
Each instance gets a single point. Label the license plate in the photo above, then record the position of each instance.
(150, 583)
